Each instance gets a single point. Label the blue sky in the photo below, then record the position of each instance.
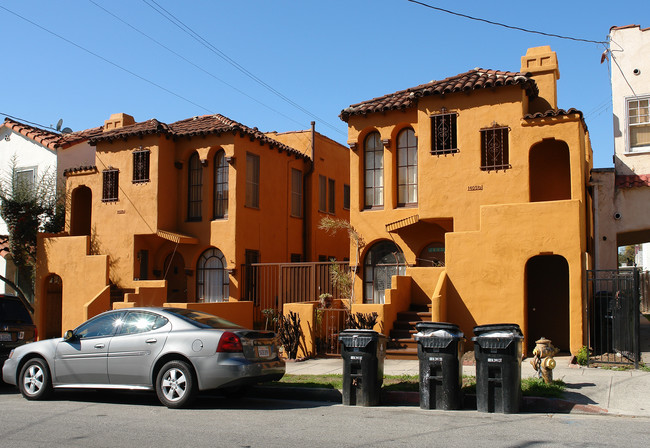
(321, 55)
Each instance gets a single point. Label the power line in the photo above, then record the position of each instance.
(107, 60)
(186, 29)
(478, 19)
(192, 63)
(22, 120)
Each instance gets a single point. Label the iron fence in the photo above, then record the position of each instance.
(613, 316)
(270, 285)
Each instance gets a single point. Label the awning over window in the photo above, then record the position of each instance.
(177, 237)
(393, 226)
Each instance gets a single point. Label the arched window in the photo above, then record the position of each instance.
(194, 186)
(374, 171)
(220, 185)
(212, 281)
(383, 261)
(407, 168)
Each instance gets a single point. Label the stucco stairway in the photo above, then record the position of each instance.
(401, 344)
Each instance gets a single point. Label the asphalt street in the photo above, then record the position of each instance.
(120, 419)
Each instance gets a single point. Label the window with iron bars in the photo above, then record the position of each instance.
(141, 166)
(110, 182)
(444, 134)
(494, 149)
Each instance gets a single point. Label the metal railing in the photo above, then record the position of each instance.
(644, 286)
(271, 285)
(329, 323)
(613, 307)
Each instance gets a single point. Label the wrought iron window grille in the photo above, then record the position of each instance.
(495, 152)
(444, 134)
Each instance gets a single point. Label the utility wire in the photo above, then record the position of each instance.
(192, 63)
(107, 60)
(22, 120)
(478, 19)
(186, 29)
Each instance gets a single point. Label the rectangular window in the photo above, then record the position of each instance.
(141, 166)
(296, 193)
(346, 197)
(443, 134)
(25, 178)
(638, 113)
(322, 194)
(494, 149)
(252, 180)
(110, 182)
(331, 204)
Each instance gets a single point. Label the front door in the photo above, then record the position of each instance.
(84, 358)
(176, 278)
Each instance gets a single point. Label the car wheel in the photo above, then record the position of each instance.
(175, 384)
(34, 380)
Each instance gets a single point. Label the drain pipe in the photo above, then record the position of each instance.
(306, 197)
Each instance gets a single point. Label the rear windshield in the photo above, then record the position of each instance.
(201, 319)
(14, 312)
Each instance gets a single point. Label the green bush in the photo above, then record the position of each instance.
(583, 356)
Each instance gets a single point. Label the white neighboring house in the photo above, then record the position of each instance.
(38, 151)
(622, 194)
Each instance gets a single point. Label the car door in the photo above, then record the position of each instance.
(83, 359)
(135, 347)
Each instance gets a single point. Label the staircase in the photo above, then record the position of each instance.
(401, 344)
(117, 293)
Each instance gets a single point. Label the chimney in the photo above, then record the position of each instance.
(118, 121)
(541, 63)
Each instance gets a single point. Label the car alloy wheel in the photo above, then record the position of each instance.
(34, 380)
(175, 384)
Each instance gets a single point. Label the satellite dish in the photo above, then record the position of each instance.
(66, 131)
(59, 124)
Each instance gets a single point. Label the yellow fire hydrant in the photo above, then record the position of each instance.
(543, 361)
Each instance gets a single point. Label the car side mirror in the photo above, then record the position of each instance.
(68, 336)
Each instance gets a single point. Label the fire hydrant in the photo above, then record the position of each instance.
(543, 361)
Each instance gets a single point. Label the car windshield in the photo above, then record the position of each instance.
(201, 319)
(14, 312)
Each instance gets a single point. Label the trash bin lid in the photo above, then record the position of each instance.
(512, 330)
(438, 330)
(358, 338)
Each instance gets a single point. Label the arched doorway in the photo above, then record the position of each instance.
(53, 307)
(174, 273)
(549, 171)
(547, 293)
(433, 255)
(80, 214)
(384, 260)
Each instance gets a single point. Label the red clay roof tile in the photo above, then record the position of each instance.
(464, 82)
(50, 139)
(190, 127)
(632, 180)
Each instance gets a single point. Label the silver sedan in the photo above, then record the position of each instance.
(176, 352)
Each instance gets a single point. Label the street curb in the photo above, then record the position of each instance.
(529, 404)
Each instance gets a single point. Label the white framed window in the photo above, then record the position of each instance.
(638, 124)
(26, 177)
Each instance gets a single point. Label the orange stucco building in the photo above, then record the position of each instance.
(471, 194)
(169, 213)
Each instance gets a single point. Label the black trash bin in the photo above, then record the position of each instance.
(363, 353)
(498, 350)
(440, 350)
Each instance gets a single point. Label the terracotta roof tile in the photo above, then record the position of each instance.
(191, 127)
(554, 113)
(632, 180)
(50, 139)
(464, 82)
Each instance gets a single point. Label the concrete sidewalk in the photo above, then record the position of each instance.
(588, 389)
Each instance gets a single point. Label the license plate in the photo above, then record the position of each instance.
(263, 351)
(5, 337)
